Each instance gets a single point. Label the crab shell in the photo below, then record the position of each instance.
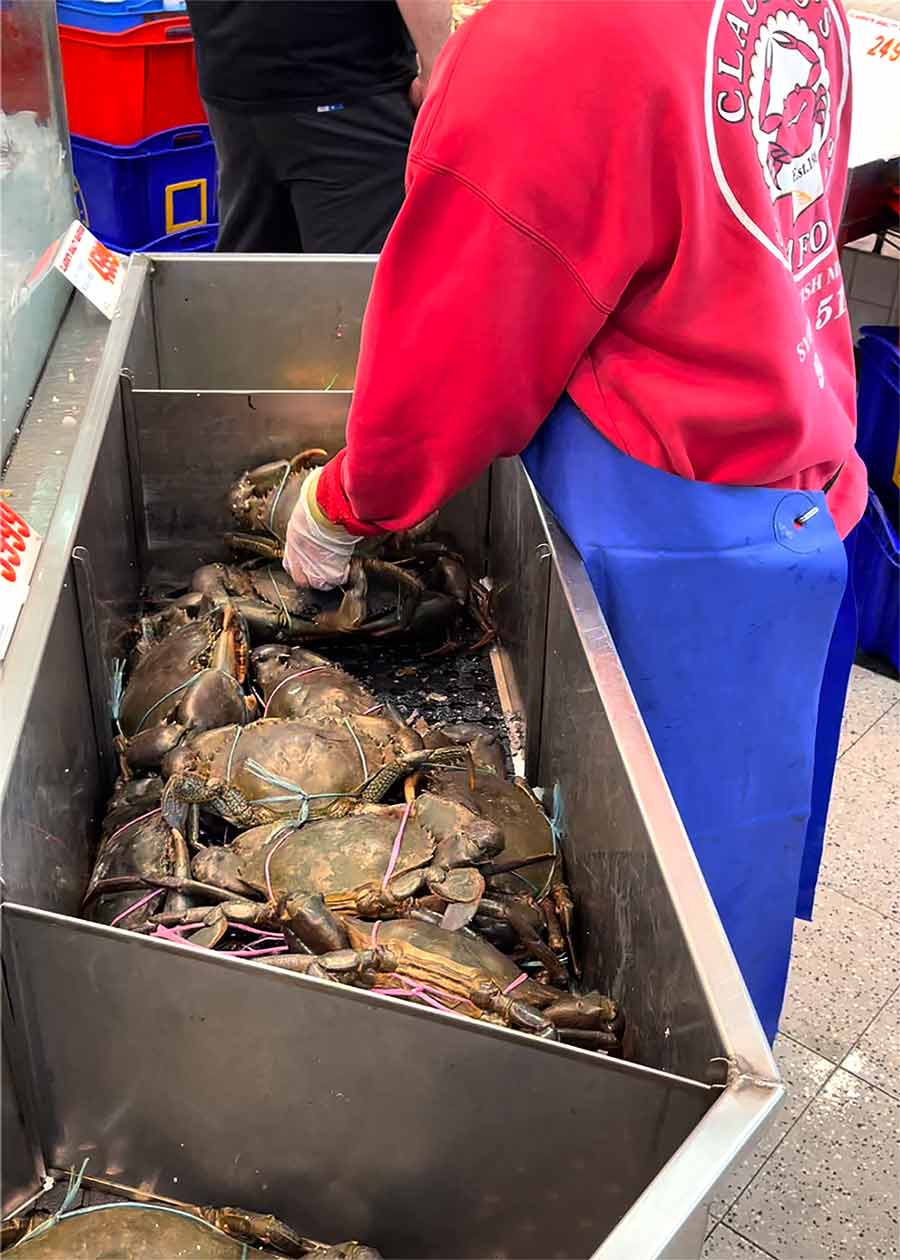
(148, 1232)
(296, 683)
(335, 855)
(191, 680)
(135, 842)
(455, 963)
(320, 761)
(277, 485)
(267, 583)
(512, 806)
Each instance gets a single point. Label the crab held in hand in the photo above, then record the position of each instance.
(398, 583)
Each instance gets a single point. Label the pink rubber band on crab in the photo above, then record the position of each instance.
(374, 709)
(173, 934)
(156, 892)
(255, 953)
(417, 994)
(422, 992)
(299, 674)
(398, 841)
(375, 926)
(514, 984)
(274, 849)
(132, 821)
(254, 931)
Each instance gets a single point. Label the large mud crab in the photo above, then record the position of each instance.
(136, 845)
(293, 682)
(190, 680)
(398, 583)
(454, 971)
(149, 1231)
(528, 835)
(380, 862)
(278, 768)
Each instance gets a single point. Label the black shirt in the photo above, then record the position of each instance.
(285, 54)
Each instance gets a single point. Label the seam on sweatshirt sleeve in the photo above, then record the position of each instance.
(519, 224)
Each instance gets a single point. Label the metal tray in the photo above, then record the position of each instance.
(212, 1079)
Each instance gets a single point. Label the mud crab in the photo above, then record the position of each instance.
(136, 844)
(454, 971)
(277, 768)
(293, 682)
(484, 744)
(528, 835)
(192, 680)
(399, 582)
(146, 1231)
(381, 861)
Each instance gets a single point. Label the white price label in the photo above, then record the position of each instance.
(19, 547)
(94, 270)
(875, 60)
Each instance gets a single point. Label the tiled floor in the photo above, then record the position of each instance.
(824, 1184)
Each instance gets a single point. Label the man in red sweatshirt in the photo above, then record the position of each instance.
(618, 255)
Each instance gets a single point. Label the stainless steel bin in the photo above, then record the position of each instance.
(213, 1079)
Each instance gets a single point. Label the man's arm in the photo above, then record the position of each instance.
(428, 22)
(472, 331)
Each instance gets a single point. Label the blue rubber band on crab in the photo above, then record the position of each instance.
(71, 1192)
(116, 687)
(557, 826)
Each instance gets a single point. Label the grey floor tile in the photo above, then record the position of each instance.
(829, 1191)
(724, 1244)
(878, 752)
(862, 314)
(845, 966)
(862, 844)
(876, 1056)
(803, 1072)
(869, 697)
(875, 279)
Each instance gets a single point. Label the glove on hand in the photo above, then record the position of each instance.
(317, 553)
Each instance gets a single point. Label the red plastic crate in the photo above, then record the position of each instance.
(124, 86)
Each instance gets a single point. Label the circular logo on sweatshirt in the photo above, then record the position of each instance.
(776, 82)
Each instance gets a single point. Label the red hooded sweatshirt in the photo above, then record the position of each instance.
(636, 201)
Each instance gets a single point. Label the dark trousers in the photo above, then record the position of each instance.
(308, 182)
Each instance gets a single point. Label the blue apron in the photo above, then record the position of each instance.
(722, 607)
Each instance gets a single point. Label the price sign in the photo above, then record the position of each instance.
(94, 270)
(875, 61)
(19, 547)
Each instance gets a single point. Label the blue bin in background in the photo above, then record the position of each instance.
(875, 556)
(114, 15)
(161, 186)
(878, 413)
(199, 240)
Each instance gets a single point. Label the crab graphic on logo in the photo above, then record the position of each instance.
(789, 107)
(776, 82)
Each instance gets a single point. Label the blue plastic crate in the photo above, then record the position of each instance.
(114, 15)
(876, 582)
(878, 413)
(136, 193)
(193, 241)
(198, 240)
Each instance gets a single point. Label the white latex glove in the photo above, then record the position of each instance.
(317, 553)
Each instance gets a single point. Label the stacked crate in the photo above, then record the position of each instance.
(145, 165)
